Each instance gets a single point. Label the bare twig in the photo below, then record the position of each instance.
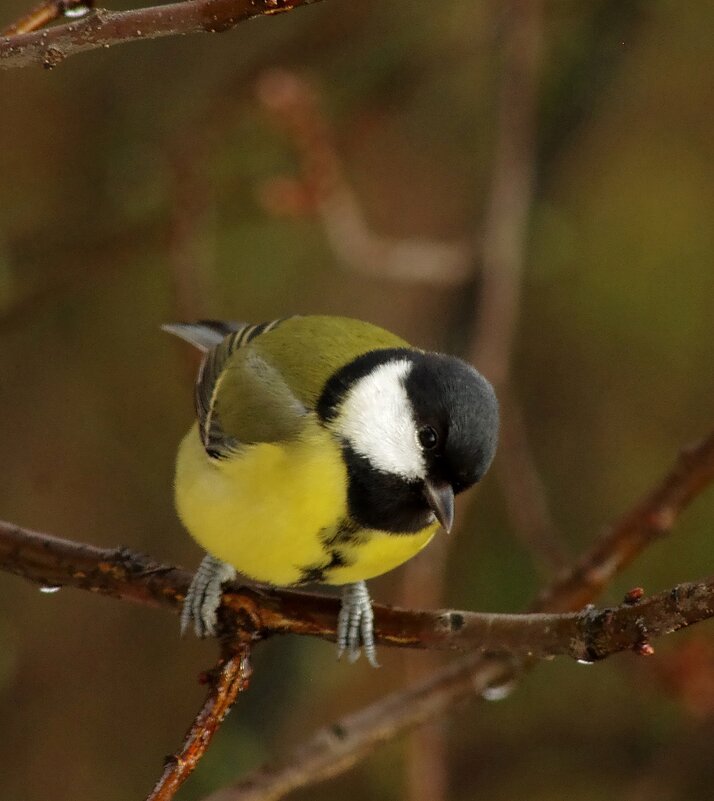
(230, 677)
(47, 12)
(294, 103)
(333, 750)
(104, 28)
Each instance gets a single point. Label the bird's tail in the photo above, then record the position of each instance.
(203, 334)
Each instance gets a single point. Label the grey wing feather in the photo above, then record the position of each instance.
(265, 410)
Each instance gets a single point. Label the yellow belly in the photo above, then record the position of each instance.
(269, 511)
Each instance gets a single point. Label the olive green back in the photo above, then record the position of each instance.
(268, 385)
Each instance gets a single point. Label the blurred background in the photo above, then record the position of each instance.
(528, 185)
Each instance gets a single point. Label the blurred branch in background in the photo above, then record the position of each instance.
(335, 749)
(501, 244)
(191, 240)
(686, 675)
(191, 246)
(322, 189)
(503, 256)
(588, 635)
(651, 519)
(103, 28)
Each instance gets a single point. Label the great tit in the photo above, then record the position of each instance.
(326, 450)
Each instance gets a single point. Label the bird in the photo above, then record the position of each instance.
(325, 450)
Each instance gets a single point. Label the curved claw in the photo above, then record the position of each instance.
(200, 607)
(355, 624)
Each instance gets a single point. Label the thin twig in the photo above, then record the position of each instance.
(335, 748)
(46, 12)
(229, 678)
(103, 28)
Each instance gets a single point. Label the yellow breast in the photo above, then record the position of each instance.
(270, 510)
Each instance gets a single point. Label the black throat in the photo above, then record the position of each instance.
(384, 501)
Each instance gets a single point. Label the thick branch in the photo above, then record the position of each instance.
(120, 573)
(104, 28)
(261, 612)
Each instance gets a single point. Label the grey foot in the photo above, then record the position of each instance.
(203, 598)
(355, 624)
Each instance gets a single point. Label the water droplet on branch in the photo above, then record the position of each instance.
(499, 692)
(75, 12)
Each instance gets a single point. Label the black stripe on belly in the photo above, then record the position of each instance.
(315, 574)
(347, 533)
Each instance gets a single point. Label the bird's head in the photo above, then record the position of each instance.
(416, 429)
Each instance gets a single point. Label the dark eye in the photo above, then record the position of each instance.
(428, 438)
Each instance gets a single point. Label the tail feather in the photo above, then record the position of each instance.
(203, 334)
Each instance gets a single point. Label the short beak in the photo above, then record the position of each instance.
(441, 499)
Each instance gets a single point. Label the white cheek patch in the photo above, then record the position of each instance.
(376, 419)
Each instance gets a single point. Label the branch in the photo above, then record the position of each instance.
(230, 677)
(104, 28)
(54, 562)
(336, 748)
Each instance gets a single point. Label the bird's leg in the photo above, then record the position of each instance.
(355, 624)
(203, 598)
